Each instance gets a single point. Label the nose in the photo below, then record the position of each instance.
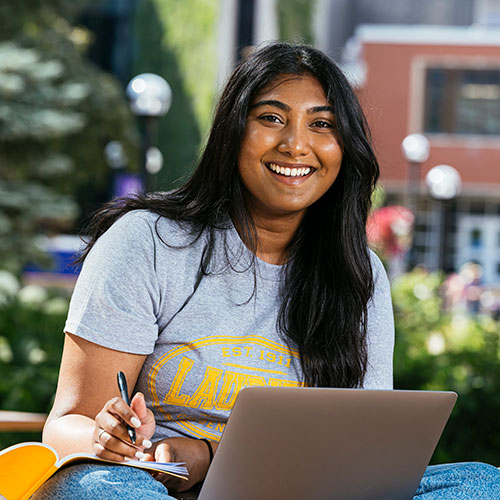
(294, 141)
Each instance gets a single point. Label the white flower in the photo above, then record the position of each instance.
(57, 305)
(5, 351)
(32, 295)
(37, 356)
(421, 291)
(9, 285)
(436, 344)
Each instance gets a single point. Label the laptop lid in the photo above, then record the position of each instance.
(347, 444)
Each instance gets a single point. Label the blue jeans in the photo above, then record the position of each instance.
(464, 481)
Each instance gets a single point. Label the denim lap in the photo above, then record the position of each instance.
(460, 481)
(110, 482)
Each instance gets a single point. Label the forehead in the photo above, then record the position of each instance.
(299, 87)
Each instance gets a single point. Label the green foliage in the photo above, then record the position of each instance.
(438, 350)
(177, 40)
(57, 112)
(31, 324)
(296, 20)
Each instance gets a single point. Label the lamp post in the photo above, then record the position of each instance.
(444, 184)
(415, 148)
(150, 98)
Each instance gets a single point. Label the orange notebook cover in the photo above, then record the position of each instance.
(25, 467)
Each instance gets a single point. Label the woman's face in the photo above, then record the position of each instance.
(289, 155)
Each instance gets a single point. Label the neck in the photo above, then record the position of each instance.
(273, 237)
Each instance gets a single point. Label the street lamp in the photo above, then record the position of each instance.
(444, 184)
(150, 98)
(415, 148)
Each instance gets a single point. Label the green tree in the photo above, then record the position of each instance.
(57, 112)
(296, 20)
(177, 40)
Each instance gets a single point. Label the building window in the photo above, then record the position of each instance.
(476, 238)
(462, 101)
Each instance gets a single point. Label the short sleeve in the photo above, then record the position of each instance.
(380, 331)
(116, 297)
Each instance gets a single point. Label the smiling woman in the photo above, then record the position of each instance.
(290, 155)
(255, 272)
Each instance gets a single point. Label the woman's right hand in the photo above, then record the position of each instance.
(110, 437)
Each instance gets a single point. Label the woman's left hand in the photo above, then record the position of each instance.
(193, 452)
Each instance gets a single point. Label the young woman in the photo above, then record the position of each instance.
(255, 272)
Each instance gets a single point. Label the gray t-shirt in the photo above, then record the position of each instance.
(130, 297)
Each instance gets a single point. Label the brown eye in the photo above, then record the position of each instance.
(322, 124)
(270, 118)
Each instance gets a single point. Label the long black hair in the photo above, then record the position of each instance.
(328, 276)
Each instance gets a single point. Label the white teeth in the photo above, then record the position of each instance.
(289, 172)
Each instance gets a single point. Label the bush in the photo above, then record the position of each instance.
(31, 339)
(438, 350)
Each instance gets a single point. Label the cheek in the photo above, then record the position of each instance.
(331, 157)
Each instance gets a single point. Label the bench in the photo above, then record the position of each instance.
(21, 421)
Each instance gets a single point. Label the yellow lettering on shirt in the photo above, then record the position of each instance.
(276, 382)
(232, 383)
(204, 397)
(173, 396)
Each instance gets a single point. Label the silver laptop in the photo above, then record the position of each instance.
(315, 443)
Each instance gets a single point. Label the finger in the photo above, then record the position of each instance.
(112, 425)
(145, 415)
(138, 405)
(114, 445)
(164, 453)
(106, 454)
(109, 440)
(122, 410)
(147, 457)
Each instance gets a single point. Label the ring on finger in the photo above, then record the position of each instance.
(99, 437)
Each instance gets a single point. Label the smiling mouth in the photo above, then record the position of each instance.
(290, 171)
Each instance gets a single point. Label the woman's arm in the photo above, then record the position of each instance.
(88, 416)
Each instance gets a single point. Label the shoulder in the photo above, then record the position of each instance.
(145, 228)
(381, 284)
(378, 269)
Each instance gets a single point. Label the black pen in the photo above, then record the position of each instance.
(122, 385)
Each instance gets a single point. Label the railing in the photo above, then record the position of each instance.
(11, 421)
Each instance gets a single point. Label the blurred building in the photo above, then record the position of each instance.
(441, 79)
(443, 82)
(337, 20)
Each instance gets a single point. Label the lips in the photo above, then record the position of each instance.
(288, 170)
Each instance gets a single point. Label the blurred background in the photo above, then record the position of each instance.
(104, 98)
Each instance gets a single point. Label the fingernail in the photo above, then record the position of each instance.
(147, 443)
(135, 422)
(140, 455)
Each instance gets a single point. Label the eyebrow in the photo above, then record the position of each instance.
(285, 107)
